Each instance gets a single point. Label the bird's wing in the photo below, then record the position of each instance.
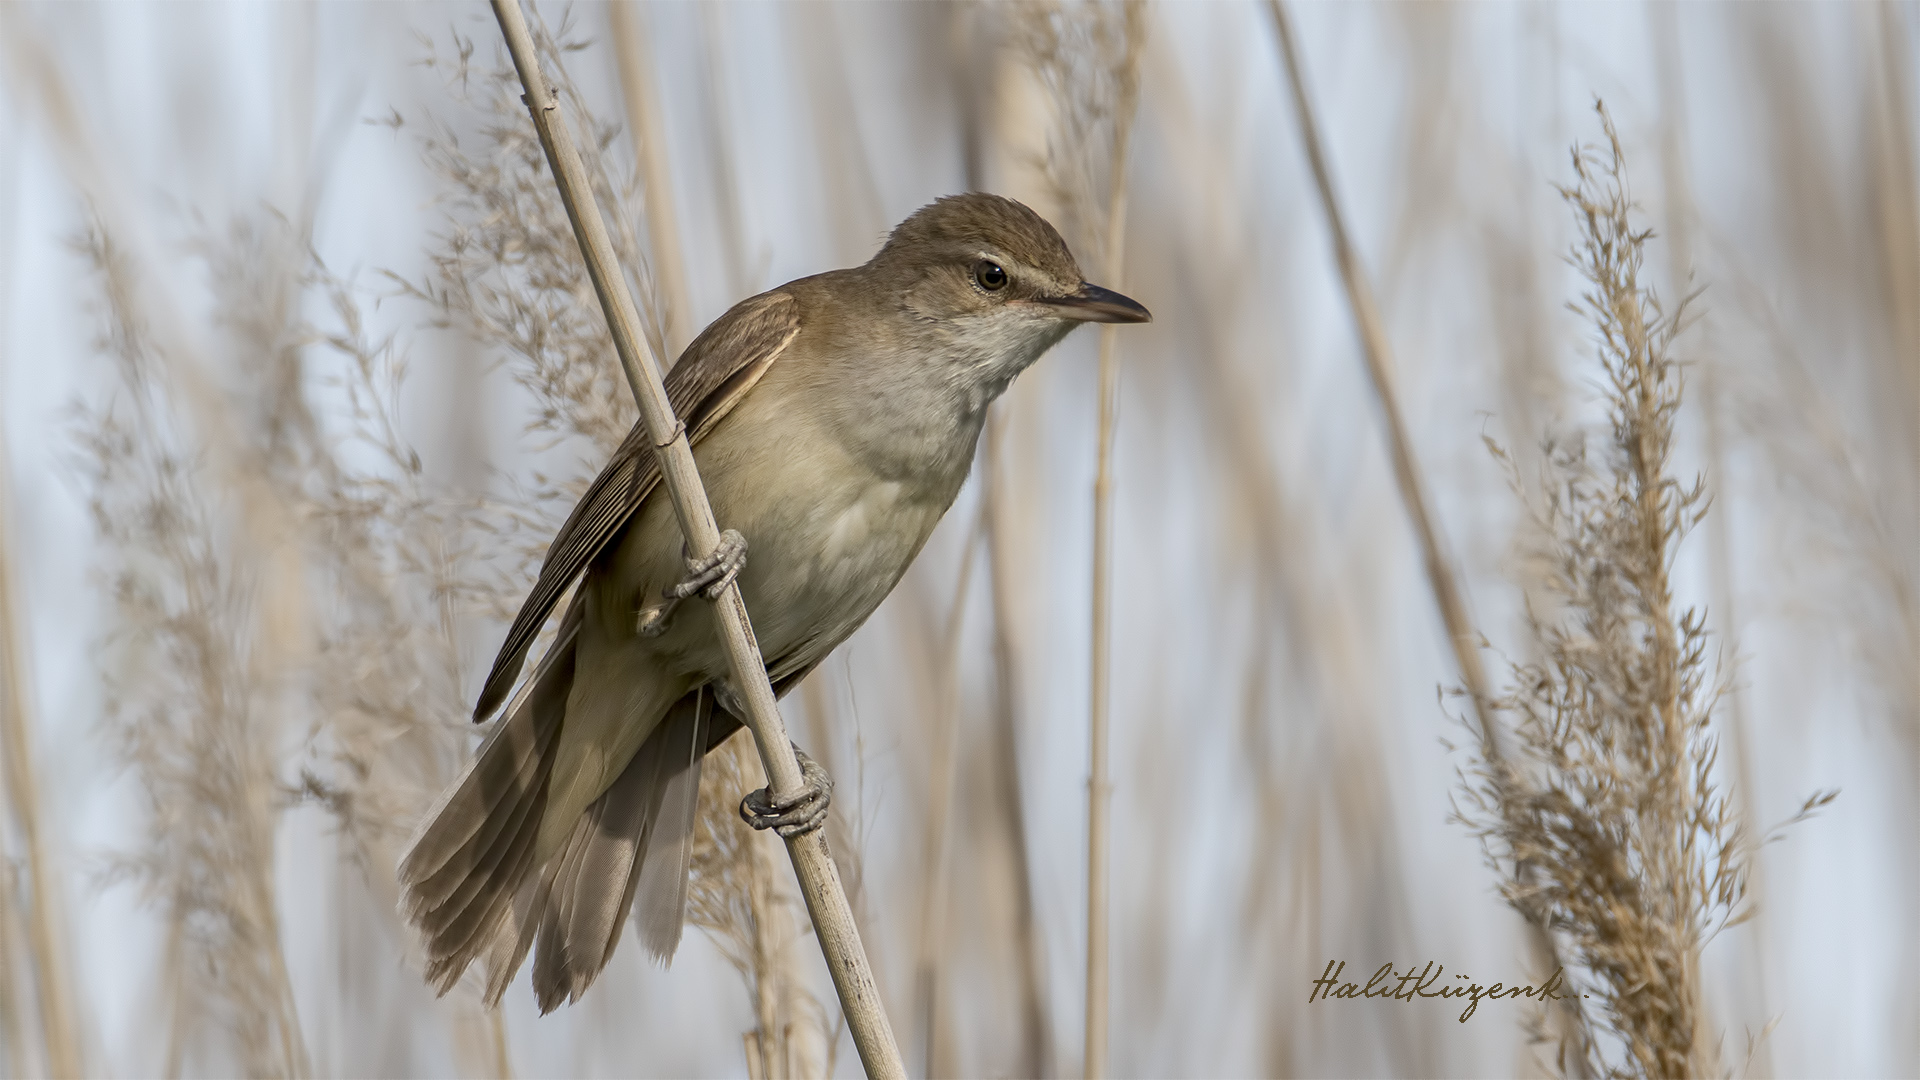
(715, 372)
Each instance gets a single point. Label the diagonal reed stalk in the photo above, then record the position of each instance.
(1379, 359)
(1447, 594)
(826, 899)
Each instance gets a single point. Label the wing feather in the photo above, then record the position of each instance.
(721, 365)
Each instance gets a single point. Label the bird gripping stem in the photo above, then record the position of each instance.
(819, 879)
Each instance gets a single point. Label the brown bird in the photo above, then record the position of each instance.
(833, 419)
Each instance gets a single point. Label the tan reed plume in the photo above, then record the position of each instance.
(189, 701)
(1636, 851)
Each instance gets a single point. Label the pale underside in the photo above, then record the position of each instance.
(828, 540)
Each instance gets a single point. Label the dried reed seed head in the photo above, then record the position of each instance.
(1086, 55)
(1608, 824)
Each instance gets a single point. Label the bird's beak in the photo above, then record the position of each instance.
(1091, 303)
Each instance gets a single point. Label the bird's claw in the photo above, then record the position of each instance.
(797, 816)
(710, 576)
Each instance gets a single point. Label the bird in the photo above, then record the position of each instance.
(833, 420)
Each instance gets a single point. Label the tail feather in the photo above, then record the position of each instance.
(458, 930)
(511, 765)
(439, 898)
(513, 935)
(583, 921)
(467, 864)
(641, 826)
(553, 970)
(471, 882)
(662, 877)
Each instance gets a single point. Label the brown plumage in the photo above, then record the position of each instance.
(834, 420)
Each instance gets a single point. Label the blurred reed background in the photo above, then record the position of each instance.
(299, 372)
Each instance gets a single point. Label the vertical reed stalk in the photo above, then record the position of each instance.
(932, 952)
(820, 881)
(1447, 594)
(976, 48)
(15, 983)
(1897, 200)
(23, 805)
(771, 1045)
(1036, 1019)
(497, 1044)
(15, 959)
(715, 125)
(648, 132)
(1099, 787)
(45, 954)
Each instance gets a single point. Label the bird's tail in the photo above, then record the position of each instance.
(469, 883)
(634, 843)
(463, 869)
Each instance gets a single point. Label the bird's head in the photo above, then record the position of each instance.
(996, 277)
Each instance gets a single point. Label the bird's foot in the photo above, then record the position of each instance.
(707, 577)
(710, 576)
(797, 816)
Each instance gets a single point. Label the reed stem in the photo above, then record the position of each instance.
(1099, 788)
(647, 130)
(932, 954)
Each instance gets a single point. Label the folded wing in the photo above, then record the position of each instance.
(721, 365)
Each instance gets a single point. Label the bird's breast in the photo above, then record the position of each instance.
(818, 570)
(852, 530)
(828, 534)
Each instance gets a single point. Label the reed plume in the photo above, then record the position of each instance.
(1612, 798)
(505, 268)
(189, 704)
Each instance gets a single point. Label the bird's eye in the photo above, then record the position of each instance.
(990, 276)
